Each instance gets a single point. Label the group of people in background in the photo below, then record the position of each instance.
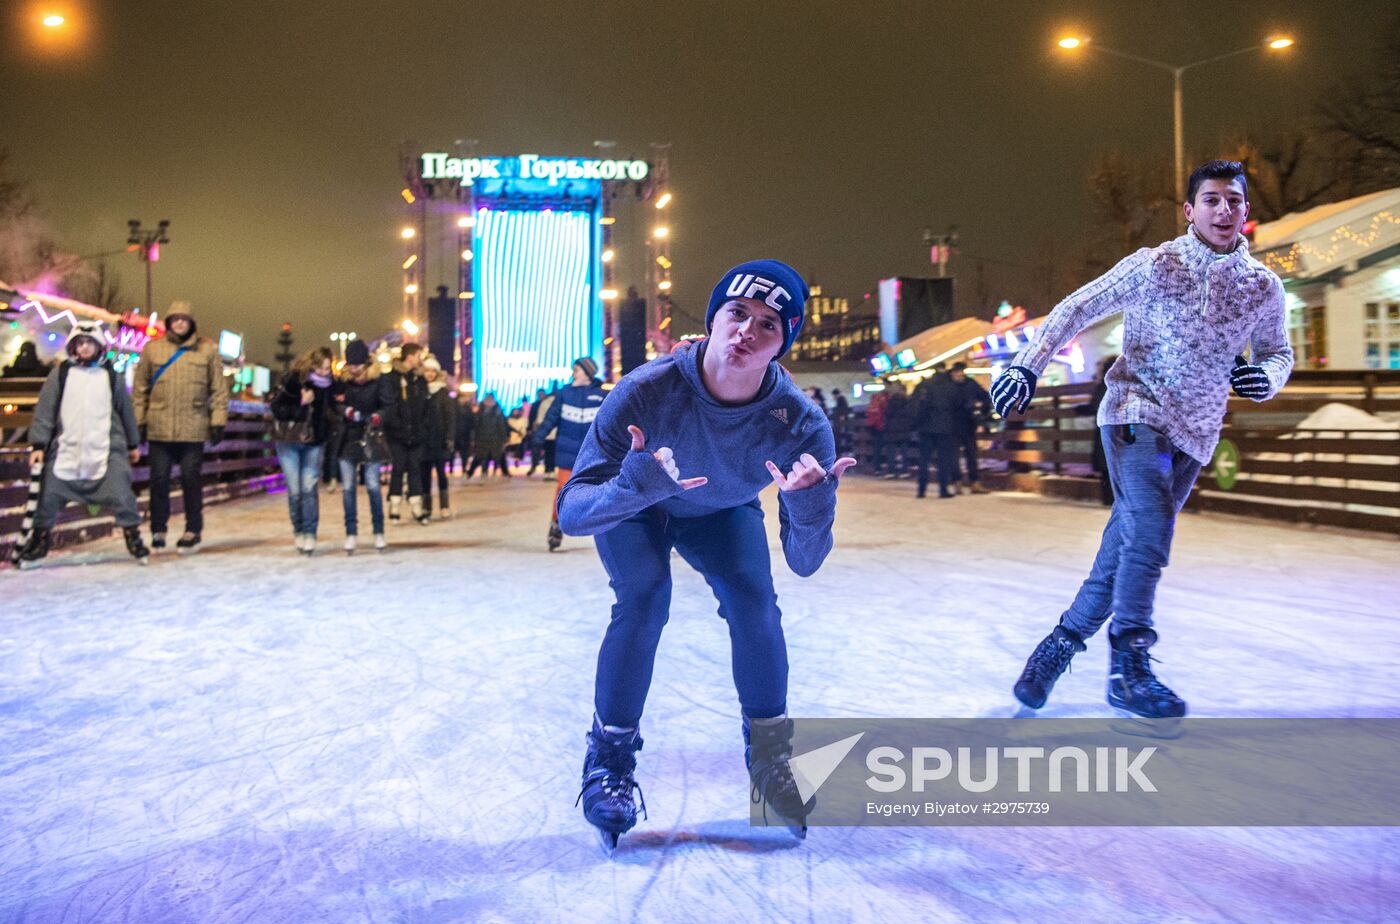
(407, 419)
(936, 424)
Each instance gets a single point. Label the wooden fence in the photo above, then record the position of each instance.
(1270, 468)
(244, 463)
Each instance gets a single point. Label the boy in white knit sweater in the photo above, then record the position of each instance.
(1190, 308)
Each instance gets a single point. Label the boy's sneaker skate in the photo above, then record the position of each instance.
(379, 543)
(32, 552)
(1045, 665)
(134, 545)
(157, 540)
(607, 790)
(349, 545)
(767, 750)
(1132, 687)
(188, 544)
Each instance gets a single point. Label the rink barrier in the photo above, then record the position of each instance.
(244, 464)
(1344, 479)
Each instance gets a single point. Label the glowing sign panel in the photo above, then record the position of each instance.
(530, 166)
(536, 306)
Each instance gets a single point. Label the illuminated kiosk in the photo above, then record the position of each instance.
(533, 281)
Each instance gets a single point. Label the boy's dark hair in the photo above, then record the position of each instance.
(410, 349)
(1216, 170)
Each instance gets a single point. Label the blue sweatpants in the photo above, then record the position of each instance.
(730, 549)
(1151, 481)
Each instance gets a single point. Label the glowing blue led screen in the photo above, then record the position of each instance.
(536, 309)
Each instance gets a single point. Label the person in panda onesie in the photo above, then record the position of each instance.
(85, 441)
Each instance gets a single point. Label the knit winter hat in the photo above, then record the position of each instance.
(774, 283)
(356, 353)
(432, 363)
(589, 367)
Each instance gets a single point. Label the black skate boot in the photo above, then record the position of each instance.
(608, 784)
(134, 545)
(157, 540)
(189, 543)
(556, 535)
(1045, 665)
(767, 750)
(1134, 689)
(33, 551)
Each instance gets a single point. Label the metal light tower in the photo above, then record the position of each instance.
(147, 246)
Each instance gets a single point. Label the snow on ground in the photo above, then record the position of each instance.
(248, 735)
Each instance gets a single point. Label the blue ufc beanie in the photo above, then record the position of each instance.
(772, 282)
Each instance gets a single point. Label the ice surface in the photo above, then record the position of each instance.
(250, 736)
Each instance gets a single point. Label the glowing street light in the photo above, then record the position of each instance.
(661, 231)
(664, 284)
(407, 234)
(664, 201)
(412, 259)
(409, 327)
(466, 256)
(1277, 43)
(411, 288)
(53, 22)
(608, 255)
(608, 294)
(466, 221)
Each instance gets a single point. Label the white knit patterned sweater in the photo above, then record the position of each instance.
(1187, 312)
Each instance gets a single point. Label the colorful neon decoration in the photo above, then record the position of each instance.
(538, 305)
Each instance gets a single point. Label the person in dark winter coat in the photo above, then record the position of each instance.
(358, 407)
(85, 439)
(875, 420)
(570, 415)
(439, 432)
(490, 438)
(841, 422)
(405, 406)
(976, 406)
(26, 363)
(939, 412)
(466, 426)
(899, 426)
(304, 396)
(1091, 409)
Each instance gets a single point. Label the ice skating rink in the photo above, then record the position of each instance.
(249, 736)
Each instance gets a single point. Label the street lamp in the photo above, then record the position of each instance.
(1275, 43)
(146, 244)
(53, 22)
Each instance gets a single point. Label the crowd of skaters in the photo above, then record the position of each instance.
(349, 429)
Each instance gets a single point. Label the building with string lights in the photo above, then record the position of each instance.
(524, 253)
(1340, 265)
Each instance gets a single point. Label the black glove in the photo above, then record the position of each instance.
(1249, 380)
(1013, 390)
(216, 435)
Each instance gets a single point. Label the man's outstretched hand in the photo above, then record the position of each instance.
(666, 458)
(807, 471)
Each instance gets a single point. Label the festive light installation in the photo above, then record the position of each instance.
(537, 310)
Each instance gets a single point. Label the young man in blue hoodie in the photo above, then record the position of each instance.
(676, 458)
(1190, 308)
(572, 413)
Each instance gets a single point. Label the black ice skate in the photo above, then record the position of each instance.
(556, 535)
(1135, 690)
(134, 545)
(188, 544)
(32, 552)
(767, 750)
(1045, 665)
(157, 540)
(607, 790)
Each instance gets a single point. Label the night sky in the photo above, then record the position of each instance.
(825, 134)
